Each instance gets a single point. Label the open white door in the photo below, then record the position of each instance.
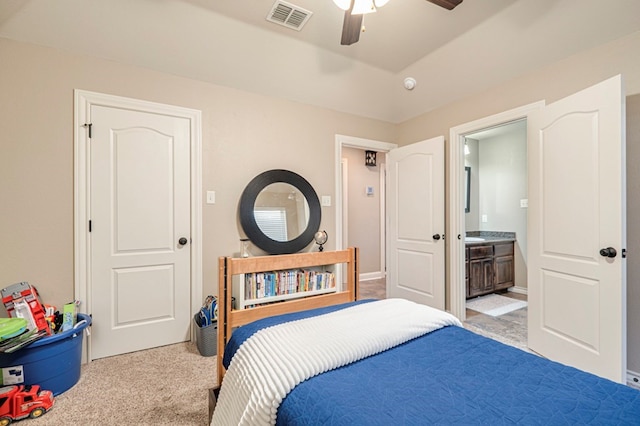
(415, 213)
(577, 286)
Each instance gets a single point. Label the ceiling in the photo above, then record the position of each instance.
(451, 54)
(397, 35)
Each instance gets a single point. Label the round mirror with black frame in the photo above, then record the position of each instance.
(280, 212)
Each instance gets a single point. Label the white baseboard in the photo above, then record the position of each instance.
(633, 379)
(368, 276)
(519, 290)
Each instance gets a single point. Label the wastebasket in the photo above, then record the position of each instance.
(53, 362)
(206, 337)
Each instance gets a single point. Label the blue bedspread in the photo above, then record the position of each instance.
(453, 376)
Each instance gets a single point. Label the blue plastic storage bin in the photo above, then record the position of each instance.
(52, 362)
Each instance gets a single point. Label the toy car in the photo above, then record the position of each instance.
(18, 402)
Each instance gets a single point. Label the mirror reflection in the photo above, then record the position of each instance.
(281, 211)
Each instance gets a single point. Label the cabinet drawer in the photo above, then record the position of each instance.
(478, 252)
(504, 249)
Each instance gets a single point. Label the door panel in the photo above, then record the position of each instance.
(577, 298)
(582, 329)
(414, 271)
(415, 209)
(130, 147)
(566, 222)
(140, 208)
(156, 282)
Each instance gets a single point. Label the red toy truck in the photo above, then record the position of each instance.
(18, 402)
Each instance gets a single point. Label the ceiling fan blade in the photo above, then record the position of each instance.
(351, 28)
(447, 4)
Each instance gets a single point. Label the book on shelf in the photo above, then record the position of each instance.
(260, 285)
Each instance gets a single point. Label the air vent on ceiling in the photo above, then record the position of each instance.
(288, 15)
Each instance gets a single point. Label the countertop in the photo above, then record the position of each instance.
(490, 237)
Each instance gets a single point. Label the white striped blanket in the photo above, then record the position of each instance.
(269, 364)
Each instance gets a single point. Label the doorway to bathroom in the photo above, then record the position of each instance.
(573, 145)
(495, 217)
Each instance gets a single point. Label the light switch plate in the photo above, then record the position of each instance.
(524, 203)
(326, 201)
(211, 197)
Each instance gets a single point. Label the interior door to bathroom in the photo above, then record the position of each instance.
(577, 228)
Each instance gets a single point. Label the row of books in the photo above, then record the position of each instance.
(266, 284)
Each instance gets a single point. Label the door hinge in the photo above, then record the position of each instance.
(88, 125)
(624, 253)
(89, 226)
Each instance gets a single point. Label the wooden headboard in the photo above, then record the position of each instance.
(228, 318)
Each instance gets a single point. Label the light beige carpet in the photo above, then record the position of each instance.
(161, 386)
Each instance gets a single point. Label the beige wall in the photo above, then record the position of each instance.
(363, 211)
(550, 83)
(243, 134)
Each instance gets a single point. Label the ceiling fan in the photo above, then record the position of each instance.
(354, 11)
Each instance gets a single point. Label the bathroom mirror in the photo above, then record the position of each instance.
(280, 212)
(467, 189)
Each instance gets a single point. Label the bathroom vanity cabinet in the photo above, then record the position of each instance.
(489, 267)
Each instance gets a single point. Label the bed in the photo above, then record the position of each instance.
(439, 373)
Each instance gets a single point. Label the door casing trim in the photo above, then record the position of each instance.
(455, 247)
(83, 101)
(360, 143)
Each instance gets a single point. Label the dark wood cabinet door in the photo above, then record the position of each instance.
(487, 272)
(466, 276)
(475, 278)
(480, 277)
(503, 268)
